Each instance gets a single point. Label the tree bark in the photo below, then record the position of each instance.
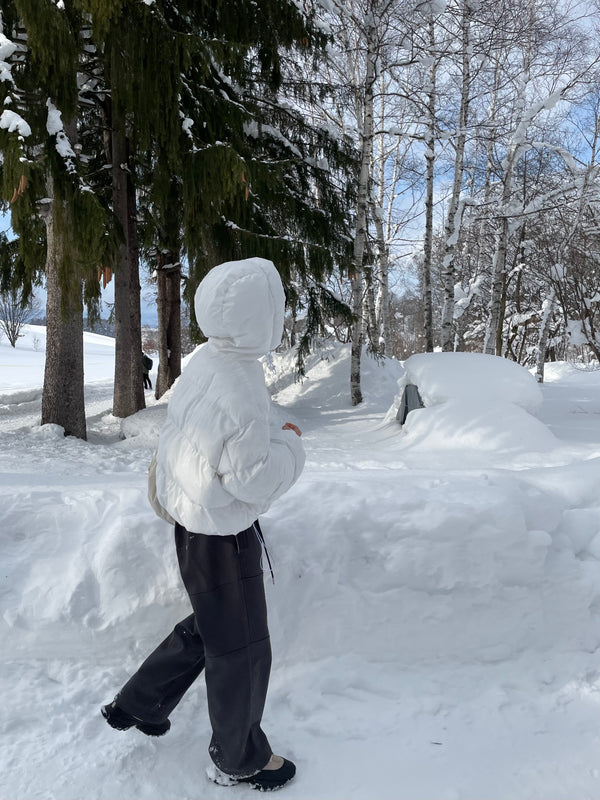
(544, 333)
(382, 307)
(430, 175)
(128, 388)
(369, 314)
(493, 335)
(360, 237)
(454, 217)
(168, 272)
(63, 400)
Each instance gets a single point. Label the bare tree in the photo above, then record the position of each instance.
(553, 65)
(455, 206)
(15, 313)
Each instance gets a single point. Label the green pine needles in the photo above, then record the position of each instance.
(221, 158)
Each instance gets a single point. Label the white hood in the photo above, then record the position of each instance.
(241, 304)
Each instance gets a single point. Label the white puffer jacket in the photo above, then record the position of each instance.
(222, 460)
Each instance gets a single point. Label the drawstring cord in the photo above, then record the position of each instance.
(261, 539)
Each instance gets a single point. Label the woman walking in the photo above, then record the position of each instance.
(222, 461)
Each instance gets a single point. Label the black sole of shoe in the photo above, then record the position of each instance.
(265, 782)
(261, 787)
(148, 728)
(154, 730)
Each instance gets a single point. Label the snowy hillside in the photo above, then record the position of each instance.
(435, 616)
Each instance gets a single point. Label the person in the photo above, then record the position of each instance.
(146, 367)
(223, 459)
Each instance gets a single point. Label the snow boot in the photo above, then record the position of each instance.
(267, 780)
(122, 721)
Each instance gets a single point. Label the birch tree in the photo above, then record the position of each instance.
(371, 37)
(455, 205)
(552, 68)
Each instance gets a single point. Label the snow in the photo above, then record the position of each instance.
(54, 123)
(575, 332)
(54, 126)
(435, 619)
(12, 122)
(187, 125)
(445, 376)
(7, 48)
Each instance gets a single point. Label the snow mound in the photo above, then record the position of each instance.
(472, 402)
(326, 385)
(497, 427)
(441, 618)
(450, 376)
(463, 569)
(18, 396)
(144, 426)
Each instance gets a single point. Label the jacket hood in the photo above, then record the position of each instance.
(241, 304)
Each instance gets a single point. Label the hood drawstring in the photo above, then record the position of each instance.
(261, 539)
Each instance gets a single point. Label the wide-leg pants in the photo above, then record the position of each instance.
(227, 636)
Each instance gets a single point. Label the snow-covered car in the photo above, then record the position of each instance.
(469, 400)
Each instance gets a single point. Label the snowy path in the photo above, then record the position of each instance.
(435, 622)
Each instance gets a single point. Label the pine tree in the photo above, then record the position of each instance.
(221, 167)
(59, 222)
(197, 114)
(261, 177)
(136, 75)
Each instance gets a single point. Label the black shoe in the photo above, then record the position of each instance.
(268, 780)
(122, 721)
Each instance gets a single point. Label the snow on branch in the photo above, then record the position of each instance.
(13, 122)
(253, 130)
(7, 49)
(55, 127)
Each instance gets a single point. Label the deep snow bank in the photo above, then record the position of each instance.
(473, 565)
(22, 367)
(473, 402)
(448, 376)
(434, 617)
(467, 565)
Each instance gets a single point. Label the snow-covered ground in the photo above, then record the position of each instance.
(435, 617)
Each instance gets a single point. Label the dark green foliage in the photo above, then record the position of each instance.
(52, 42)
(34, 172)
(245, 174)
(224, 162)
(260, 180)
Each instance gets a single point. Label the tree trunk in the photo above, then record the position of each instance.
(63, 400)
(430, 163)
(357, 340)
(369, 314)
(493, 340)
(544, 333)
(454, 217)
(382, 307)
(360, 237)
(168, 270)
(383, 227)
(128, 388)
(493, 335)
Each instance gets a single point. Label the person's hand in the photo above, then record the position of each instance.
(289, 426)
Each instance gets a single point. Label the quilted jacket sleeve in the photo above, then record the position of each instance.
(258, 465)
